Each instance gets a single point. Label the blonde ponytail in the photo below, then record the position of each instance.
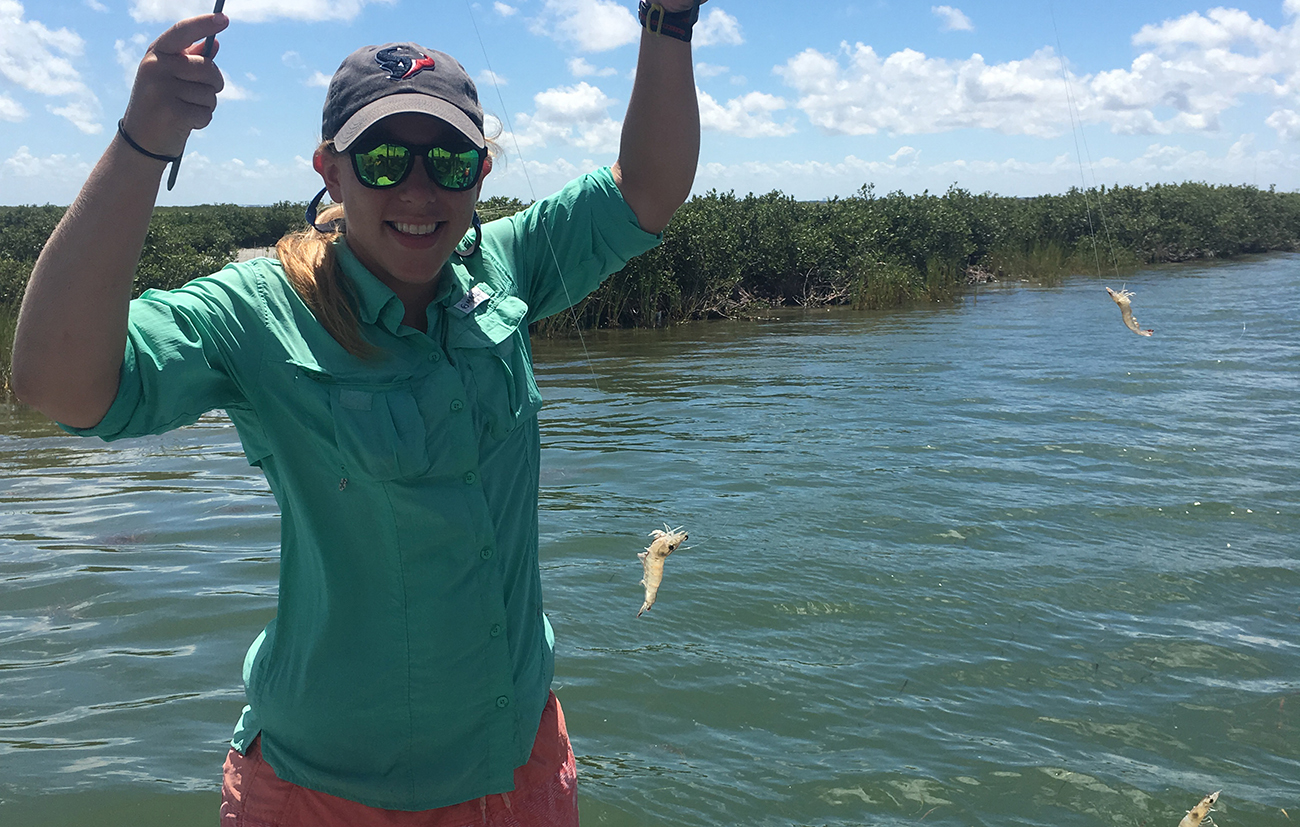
(312, 267)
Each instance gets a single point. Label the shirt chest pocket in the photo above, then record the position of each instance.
(492, 354)
(378, 427)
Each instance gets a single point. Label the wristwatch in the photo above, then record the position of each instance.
(676, 24)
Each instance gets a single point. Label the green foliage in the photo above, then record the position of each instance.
(183, 242)
(724, 255)
(180, 247)
(499, 206)
(13, 278)
(727, 255)
(24, 230)
(8, 321)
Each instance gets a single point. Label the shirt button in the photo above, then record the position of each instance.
(486, 554)
(435, 357)
(503, 702)
(496, 630)
(470, 478)
(457, 406)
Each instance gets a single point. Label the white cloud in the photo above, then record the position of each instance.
(44, 61)
(905, 170)
(575, 115)
(487, 77)
(717, 28)
(23, 164)
(37, 58)
(953, 19)
(11, 110)
(318, 78)
(1220, 29)
(528, 179)
(1165, 162)
(749, 116)
(909, 93)
(504, 10)
(252, 11)
(95, 5)
(129, 54)
(261, 170)
(84, 114)
(233, 92)
(590, 25)
(708, 70)
(580, 68)
(906, 155)
(1286, 122)
(1197, 68)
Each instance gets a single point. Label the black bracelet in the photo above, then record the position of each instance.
(121, 130)
(676, 24)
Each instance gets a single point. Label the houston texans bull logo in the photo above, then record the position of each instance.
(403, 63)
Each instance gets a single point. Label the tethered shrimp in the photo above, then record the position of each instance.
(1126, 309)
(1199, 813)
(652, 561)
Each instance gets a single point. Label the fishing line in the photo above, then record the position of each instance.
(1076, 130)
(550, 244)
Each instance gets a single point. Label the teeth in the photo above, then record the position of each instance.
(415, 229)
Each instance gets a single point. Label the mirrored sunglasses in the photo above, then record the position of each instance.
(388, 164)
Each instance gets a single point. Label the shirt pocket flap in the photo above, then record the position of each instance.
(309, 369)
(487, 326)
(378, 427)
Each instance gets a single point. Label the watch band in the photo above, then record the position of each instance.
(677, 24)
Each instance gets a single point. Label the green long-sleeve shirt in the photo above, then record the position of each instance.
(409, 660)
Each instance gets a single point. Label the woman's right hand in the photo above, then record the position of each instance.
(71, 334)
(176, 88)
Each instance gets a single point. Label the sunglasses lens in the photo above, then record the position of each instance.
(383, 166)
(454, 170)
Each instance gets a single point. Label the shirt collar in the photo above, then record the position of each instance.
(457, 281)
(378, 304)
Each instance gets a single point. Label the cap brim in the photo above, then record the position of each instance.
(368, 116)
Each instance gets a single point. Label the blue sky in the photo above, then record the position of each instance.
(813, 99)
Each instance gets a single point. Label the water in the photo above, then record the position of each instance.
(993, 563)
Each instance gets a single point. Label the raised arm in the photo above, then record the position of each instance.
(71, 332)
(660, 148)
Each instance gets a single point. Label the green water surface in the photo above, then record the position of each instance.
(999, 562)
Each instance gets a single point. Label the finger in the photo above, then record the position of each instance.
(198, 49)
(198, 116)
(197, 94)
(192, 69)
(187, 32)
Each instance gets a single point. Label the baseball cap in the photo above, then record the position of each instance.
(377, 81)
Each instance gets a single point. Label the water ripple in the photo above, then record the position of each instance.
(986, 564)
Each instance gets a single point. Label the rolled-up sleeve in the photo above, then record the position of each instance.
(561, 248)
(188, 351)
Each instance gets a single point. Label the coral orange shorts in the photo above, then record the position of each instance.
(545, 794)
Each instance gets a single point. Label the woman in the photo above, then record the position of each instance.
(380, 375)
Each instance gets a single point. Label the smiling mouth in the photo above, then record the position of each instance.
(415, 229)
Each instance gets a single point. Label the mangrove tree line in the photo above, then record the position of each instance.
(724, 254)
